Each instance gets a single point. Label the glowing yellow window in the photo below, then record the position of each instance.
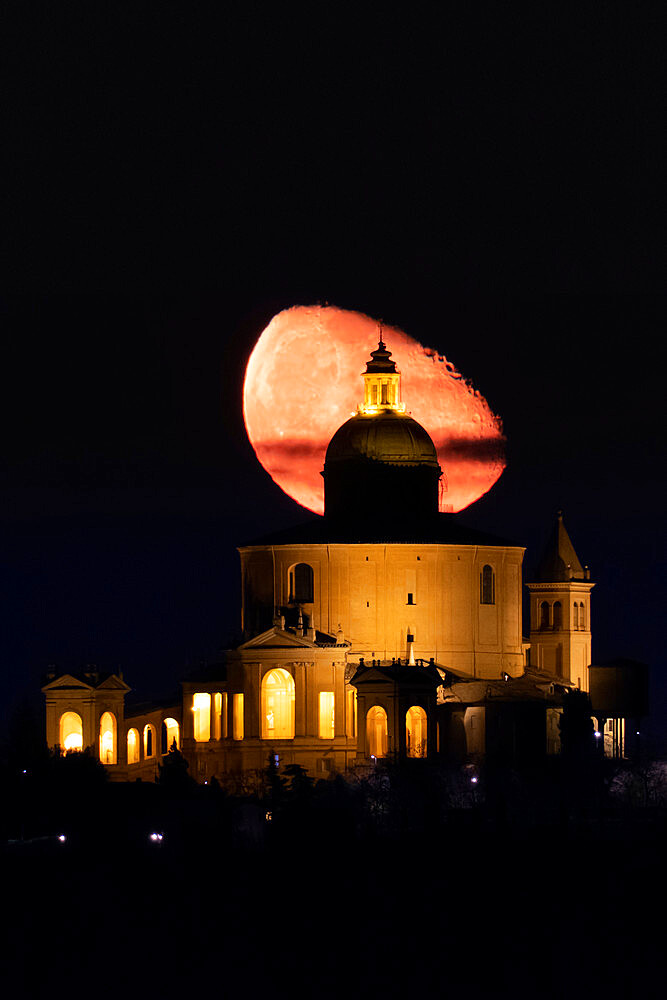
(225, 716)
(376, 731)
(171, 733)
(108, 738)
(132, 746)
(326, 730)
(278, 705)
(201, 707)
(237, 721)
(217, 716)
(71, 731)
(415, 732)
(352, 713)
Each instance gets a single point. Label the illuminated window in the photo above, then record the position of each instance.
(149, 740)
(71, 731)
(201, 708)
(415, 732)
(352, 713)
(217, 716)
(487, 586)
(108, 738)
(376, 732)
(278, 705)
(544, 614)
(170, 732)
(558, 615)
(301, 584)
(132, 746)
(237, 720)
(326, 728)
(225, 716)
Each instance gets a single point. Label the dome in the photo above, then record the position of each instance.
(388, 437)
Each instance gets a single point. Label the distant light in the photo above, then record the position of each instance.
(474, 780)
(62, 838)
(268, 816)
(157, 838)
(24, 771)
(597, 734)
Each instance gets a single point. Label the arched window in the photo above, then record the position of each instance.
(544, 614)
(71, 732)
(170, 732)
(575, 615)
(582, 615)
(201, 707)
(278, 705)
(376, 731)
(149, 740)
(487, 586)
(108, 738)
(132, 746)
(558, 614)
(301, 584)
(415, 732)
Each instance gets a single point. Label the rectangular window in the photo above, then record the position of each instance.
(326, 715)
(201, 708)
(217, 716)
(411, 598)
(352, 713)
(237, 721)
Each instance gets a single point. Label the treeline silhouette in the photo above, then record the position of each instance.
(481, 877)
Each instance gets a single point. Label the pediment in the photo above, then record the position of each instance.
(113, 683)
(277, 638)
(67, 682)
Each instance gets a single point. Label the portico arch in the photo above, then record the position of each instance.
(71, 732)
(376, 731)
(278, 700)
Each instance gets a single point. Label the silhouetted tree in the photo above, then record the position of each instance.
(173, 771)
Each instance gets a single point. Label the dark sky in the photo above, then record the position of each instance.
(488, 182)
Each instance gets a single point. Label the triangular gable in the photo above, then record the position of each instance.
(67, 681)
(113, 683)
(276, 638)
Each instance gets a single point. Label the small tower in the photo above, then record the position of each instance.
(560, 612)
(382, 383)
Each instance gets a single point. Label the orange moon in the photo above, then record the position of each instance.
(303, 380)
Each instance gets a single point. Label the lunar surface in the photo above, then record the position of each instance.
(303, 380)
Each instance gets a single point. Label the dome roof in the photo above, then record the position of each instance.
(389, 437)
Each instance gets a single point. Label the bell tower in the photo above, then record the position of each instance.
(560, 612)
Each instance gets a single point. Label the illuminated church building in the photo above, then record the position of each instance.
(384, 628)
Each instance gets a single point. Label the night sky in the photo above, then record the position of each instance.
(488, 183)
